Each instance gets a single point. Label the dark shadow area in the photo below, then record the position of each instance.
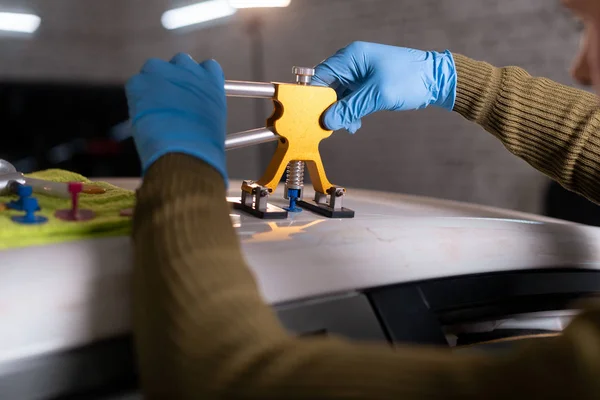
(67, 126)
(563, 204)
(101, 370)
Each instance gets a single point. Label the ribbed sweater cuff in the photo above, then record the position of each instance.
(551, 126)
(176, 175)
(476, 84)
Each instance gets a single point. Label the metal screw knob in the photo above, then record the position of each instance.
(6, 167)
(303, 75)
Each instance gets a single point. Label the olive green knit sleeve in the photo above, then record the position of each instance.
(202, 330)
(553, 127)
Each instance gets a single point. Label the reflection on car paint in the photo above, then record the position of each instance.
(278, 233)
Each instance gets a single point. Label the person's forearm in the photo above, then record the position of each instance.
(202, 330)
(201, 326)
(191, 284)
(551, 126)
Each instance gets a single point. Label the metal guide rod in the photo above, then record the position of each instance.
(250, 138)
(253, 136)
(249, 89)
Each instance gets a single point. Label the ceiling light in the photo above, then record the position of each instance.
(259, 3)
(197, 14)
(16, 22)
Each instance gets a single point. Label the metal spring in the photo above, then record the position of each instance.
(295, 175)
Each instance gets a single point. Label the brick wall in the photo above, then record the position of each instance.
(429, 152)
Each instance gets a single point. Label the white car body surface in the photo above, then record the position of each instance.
(59, 297)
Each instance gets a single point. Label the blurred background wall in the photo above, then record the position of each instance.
(92, 47)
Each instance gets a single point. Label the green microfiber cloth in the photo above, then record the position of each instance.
(107, 206)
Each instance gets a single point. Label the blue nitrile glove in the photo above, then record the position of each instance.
(370, 77)
(179, 106)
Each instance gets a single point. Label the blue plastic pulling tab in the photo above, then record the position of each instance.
(23, 191)
(293, 195)
(28, 204)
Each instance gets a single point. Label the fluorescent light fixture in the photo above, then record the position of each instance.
(196, 14)
(259, 3)
(17, 22)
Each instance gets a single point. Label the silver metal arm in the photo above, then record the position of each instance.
(249, 89)
(250, 138)
(59, 189)
(254, 136)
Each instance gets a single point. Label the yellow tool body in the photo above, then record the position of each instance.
(296, 118)
(296, 125)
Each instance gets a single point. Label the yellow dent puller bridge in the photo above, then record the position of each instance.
(295, 119)
(296, 125)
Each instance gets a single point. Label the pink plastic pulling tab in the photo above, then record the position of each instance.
(75, 188)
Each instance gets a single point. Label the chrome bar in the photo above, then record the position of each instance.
(250, 138)
(59, 189)
(249, 89)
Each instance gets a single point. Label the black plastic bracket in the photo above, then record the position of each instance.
(325, 210)
(328, 204)
(271, 212)
(254, 201)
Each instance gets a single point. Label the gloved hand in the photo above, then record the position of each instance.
(370, 77)
(179, 106)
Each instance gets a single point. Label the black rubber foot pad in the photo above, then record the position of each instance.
(326, 211)
(273, 212)
(82, 215)
(36, 220)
